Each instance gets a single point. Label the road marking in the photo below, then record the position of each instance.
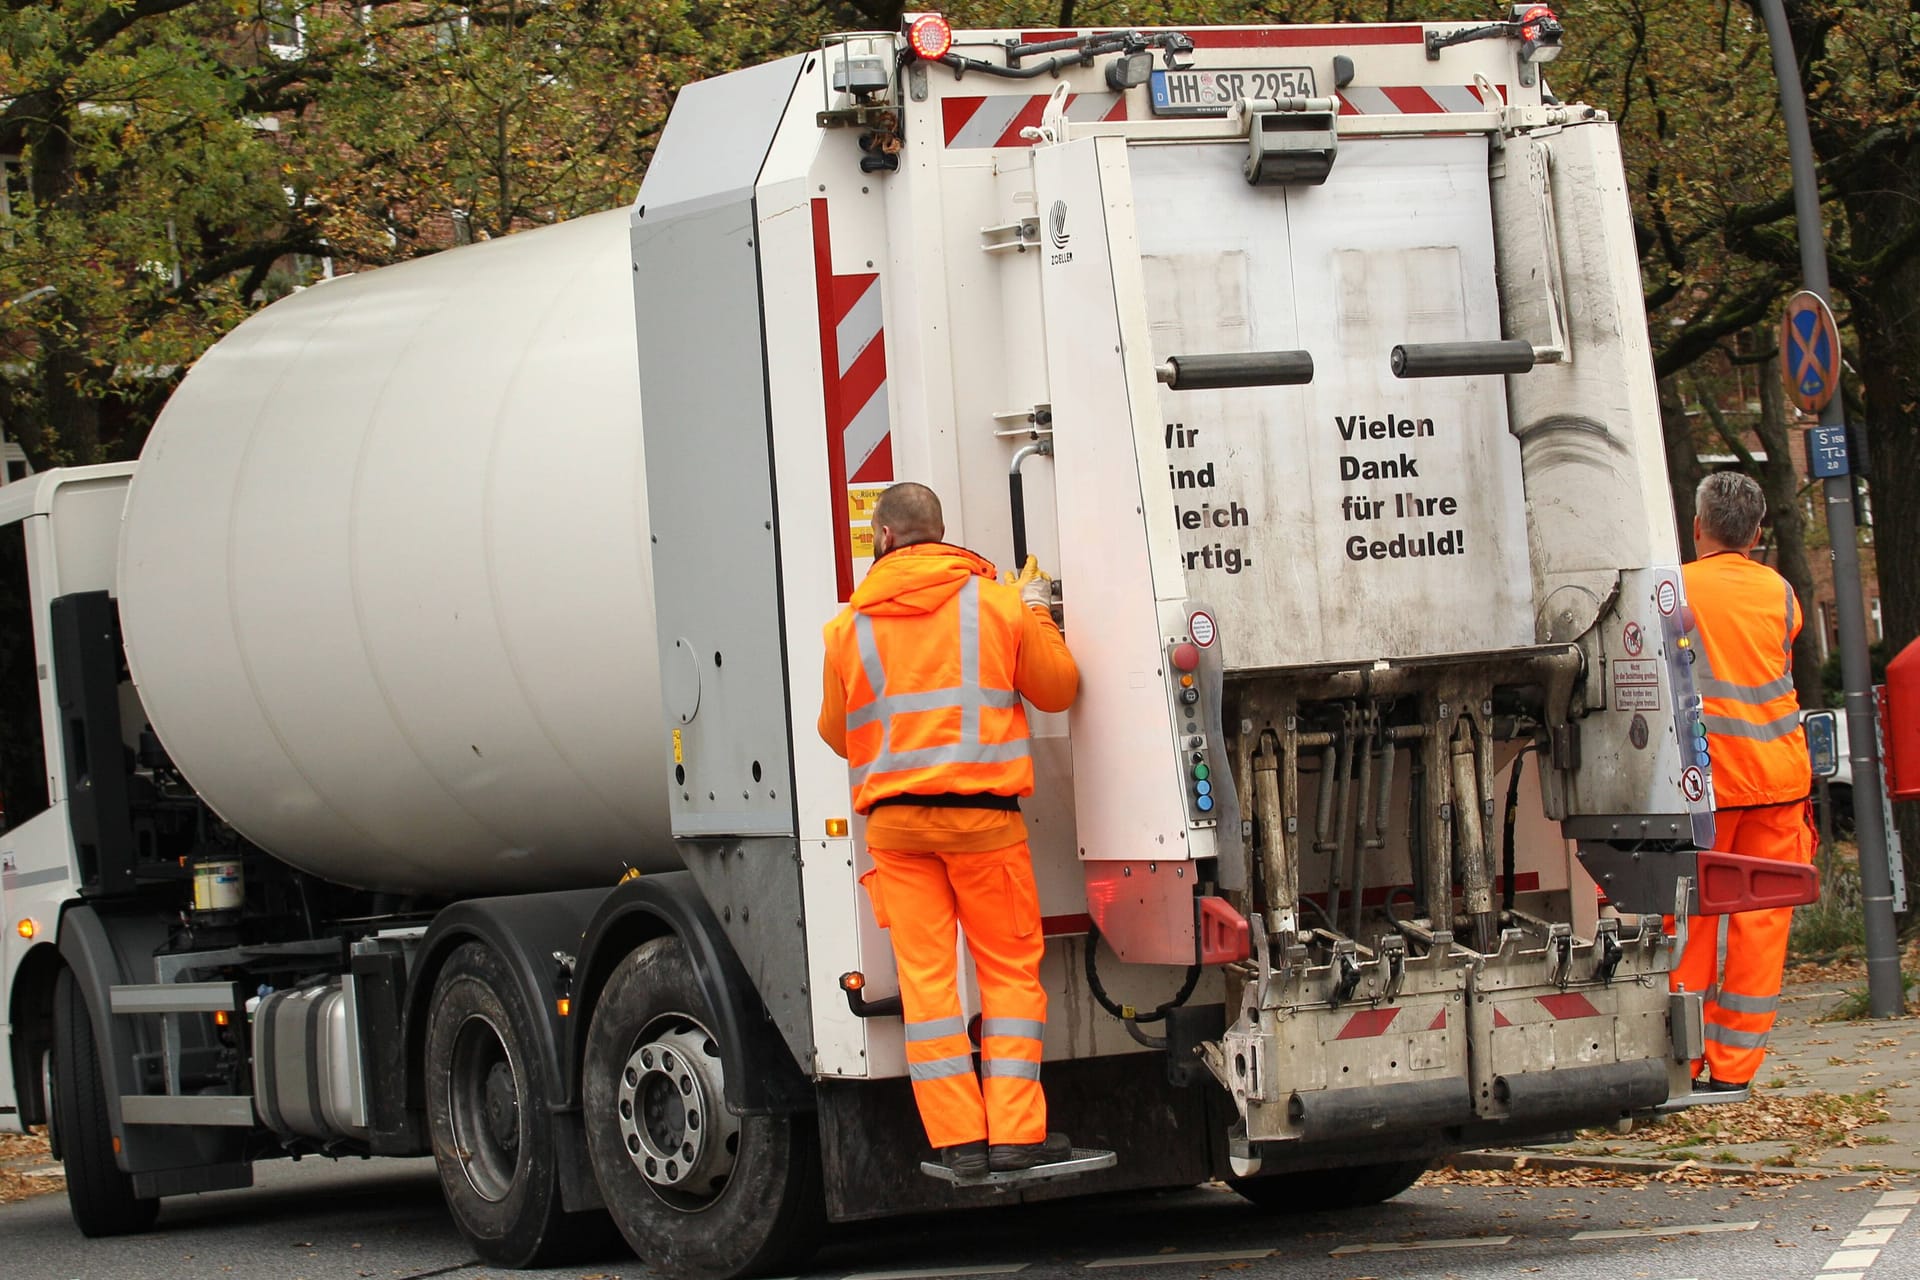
(1635, 1233)
(1851, 1260)
(1885, 1217)
(927, 1273)
(1860, 1239)
(1842, 1275)
(1470, 1242)
(1147, 1260)
(1894, 1199)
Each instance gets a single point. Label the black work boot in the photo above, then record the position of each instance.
(1008, 1157)
(967, 1161)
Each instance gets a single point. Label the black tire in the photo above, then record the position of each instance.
(100, 1195)
(763, 1210)
(1320, 1190)
(488, 1099)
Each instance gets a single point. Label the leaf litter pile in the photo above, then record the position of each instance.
(1525, 1173)
(1805, 1122)
(18, 1154)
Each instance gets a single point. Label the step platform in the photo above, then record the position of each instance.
(1084, 1160)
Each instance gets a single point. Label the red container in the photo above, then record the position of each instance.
(1901, 724)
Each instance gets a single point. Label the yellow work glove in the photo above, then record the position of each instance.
(1035, 587)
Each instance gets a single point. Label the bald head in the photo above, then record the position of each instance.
(905, 514)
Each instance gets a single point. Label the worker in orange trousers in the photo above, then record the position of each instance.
(1744, 622)
(925, 674)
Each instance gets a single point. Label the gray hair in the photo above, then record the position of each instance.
(1730, 506)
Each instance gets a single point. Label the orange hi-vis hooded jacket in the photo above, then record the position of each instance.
(924, 675)
(1745, 618)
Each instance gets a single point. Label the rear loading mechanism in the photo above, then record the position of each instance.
(1394, 981)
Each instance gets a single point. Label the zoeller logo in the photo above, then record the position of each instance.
(1059, 234)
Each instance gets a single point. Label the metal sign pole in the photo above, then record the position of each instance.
(1884, 992)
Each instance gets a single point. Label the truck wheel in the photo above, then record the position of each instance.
(1318, 1190)
(700, 1193)
(488, 1094)
(100, 1195)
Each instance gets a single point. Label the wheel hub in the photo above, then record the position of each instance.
(672, 1114)
(483, 1106)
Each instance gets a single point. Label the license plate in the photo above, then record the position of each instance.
(1209, 92)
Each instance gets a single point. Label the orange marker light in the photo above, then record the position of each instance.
(931, 36)
(836, 826)
(27, 929)
(853, 981)
(565, 1007)
(221, 1017)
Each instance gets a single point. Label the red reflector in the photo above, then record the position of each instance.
(1730, 882)
(1224, 934)
(1186, 657)
(930, 36)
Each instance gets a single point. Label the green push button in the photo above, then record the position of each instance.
(1201, 773)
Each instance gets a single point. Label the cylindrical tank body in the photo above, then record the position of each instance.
(385, 584)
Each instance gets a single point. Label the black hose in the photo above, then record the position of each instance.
(1017, 499)
(1107, 1001)
(1507, 856)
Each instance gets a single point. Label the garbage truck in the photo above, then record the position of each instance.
(414, 752)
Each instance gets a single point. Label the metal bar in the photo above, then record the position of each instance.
(1884, 983)
(224, 1111)
(1362, 838)
(174, 997)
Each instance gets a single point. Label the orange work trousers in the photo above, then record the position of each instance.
(919, 897)
(1741, 1009)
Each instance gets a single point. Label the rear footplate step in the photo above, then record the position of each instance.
(1083, 1160)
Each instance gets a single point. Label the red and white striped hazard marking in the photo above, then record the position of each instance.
(853, 375)
(996, 120)
(1410, 100)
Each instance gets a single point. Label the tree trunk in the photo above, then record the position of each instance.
(1683, 462)
(66, 426)
(1782, 487)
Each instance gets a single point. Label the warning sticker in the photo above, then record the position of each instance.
(1636, 684)
(860, 502)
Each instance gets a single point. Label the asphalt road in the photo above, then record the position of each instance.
(321, 1221)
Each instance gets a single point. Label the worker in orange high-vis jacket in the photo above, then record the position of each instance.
(925, 673)
(1744, 620)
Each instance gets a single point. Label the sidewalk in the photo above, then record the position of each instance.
(1831, 1097)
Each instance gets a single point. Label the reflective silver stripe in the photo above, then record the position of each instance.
(870, 655)
(958, 753)
(967, 697)
(970, 658)
(1786, 638)
(1737, 1039)
(1029, 1028)
(939, 1068)
(895, 704)
(1755, 694)
(1734, 1002)
(1018, 1068)
(1765, 731)
(934, 1028)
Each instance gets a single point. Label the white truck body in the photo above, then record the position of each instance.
(1311, 358)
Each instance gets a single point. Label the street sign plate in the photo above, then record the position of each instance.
(1809, 352)
(1823, 742)
(1827, 452)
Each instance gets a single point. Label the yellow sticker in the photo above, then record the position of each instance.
(860, 502)
(862, 543)
(677, 759)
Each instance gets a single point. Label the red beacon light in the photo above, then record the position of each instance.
(930, 36)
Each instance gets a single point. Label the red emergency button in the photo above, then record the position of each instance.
(1186, 657)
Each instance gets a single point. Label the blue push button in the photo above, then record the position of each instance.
(1203, 803)
(1203, 788)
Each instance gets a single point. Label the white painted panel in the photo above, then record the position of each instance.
(1296, 519)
